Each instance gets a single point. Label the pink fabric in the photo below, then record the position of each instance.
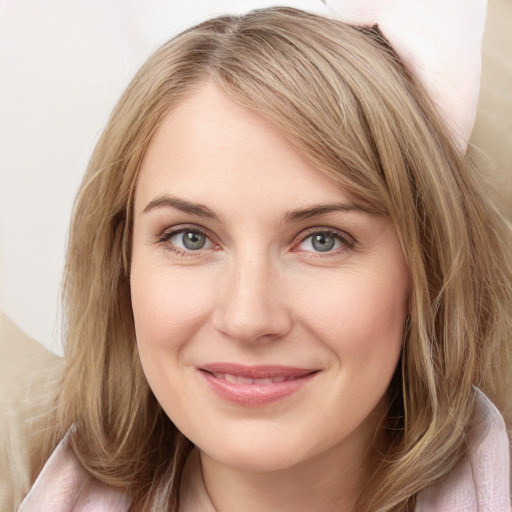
(65, 486)
(439, 41)
(479, 483)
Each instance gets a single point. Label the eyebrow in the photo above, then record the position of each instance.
(167, 201)
(322, 209)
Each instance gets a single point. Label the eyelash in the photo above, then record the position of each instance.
(347, 241)
(165, 237)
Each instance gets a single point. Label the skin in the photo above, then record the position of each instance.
(259, 292)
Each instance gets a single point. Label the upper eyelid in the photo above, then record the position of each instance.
(170, 231)
(164, 239)
(318, 229)
(173, 230)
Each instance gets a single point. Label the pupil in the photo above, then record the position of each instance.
(322, 242)
(193, 240)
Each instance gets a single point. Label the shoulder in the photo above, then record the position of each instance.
(29, 376)
(481, 480)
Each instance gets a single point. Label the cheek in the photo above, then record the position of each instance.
(169, 308)
(164, 298)
(361, 319)
(356, 304)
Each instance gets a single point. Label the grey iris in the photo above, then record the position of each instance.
(193, 240)
(322, 242)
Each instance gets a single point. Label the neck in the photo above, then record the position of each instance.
(330, 482)
(295, 489)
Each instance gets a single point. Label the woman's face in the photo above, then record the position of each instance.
(269, 308)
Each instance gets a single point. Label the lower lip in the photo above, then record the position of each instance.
(255, 394)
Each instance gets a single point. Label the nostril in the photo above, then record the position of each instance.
(251, 322)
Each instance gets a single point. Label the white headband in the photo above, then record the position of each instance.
(439, 41)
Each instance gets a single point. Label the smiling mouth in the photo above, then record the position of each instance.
(255, 385)
(248, 380)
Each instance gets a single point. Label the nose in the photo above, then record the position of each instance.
(251, 306)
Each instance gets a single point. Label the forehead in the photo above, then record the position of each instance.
(210, 149)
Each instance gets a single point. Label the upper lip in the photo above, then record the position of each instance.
(257, 371)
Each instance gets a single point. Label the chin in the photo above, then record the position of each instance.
(258, 449)
(257, 459)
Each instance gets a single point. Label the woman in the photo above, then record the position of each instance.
(283, 283)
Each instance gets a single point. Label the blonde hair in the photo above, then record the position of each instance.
(343, 99)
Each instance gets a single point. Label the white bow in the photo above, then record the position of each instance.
(439, 41)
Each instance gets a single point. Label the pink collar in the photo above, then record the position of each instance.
(64, 486)
(479, 483)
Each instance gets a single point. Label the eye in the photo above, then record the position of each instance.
(186, 240)
(324, 241)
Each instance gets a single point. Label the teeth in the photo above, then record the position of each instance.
(236, 379)
(245, 380)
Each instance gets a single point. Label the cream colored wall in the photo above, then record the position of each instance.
(493, 127)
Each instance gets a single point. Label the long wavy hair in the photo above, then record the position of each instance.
(344, 100)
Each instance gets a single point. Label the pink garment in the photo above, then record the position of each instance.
(479, 483)
(64, 486)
